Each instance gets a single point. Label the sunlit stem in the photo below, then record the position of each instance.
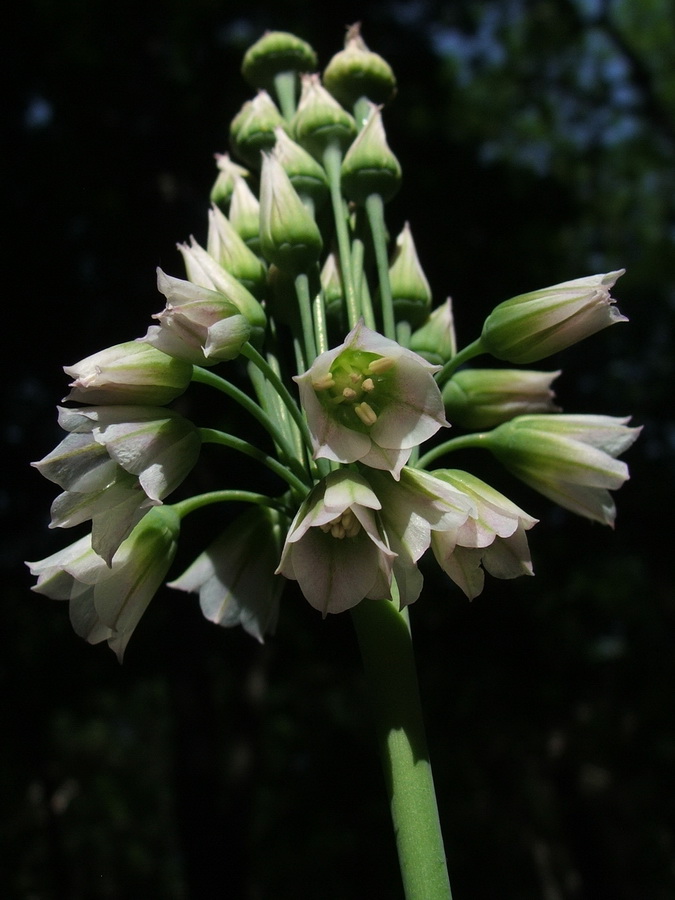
(458, 443)
(252, 354)
(191, 504)
(451, 366)
(361, 111)
(305, 304)
(387, 652)
(332, 161)
(206, 376)
(213, 436)
(320, 325)
(375, 211)
(285, 88)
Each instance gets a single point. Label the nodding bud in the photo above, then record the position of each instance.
(369, 166)
(252, 129)
(356, 72)
(275, 53)
(320, 121)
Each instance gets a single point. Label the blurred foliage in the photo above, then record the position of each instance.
(538, 144)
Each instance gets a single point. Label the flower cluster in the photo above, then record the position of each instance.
(297, 310)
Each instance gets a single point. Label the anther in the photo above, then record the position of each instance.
(380, 365)
(366, 413)
(368, 385)
(324, 383)
(348, 393)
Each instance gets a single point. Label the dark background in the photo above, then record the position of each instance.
(538, 144)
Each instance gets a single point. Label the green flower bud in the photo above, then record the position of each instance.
(478, 399)
(357, 72)
(229, 250)
(320, 120)
(245, 214)
(306, 175)
(410, 289)
(289, 236)
(435, 340)
(276, 52)
(228, 172)
(331, 282)
(369, 166)
(252, 129)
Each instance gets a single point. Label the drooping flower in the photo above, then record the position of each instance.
(128, 373)
(492, 539)
(532, 326)
(335, 549)
(115, 464)
(197, 325)
(370, 400)
(571, 459)
(235, 576)
(482, 398)
(107, 602)
(412, 509)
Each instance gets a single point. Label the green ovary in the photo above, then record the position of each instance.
(357, 388)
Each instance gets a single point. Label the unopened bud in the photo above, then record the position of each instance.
(306, 175)
(228, 172)
(245, 214)
(274, 53)
(478, 399)
(369, 166)
(252, 129)
(229, 250)
(410, 289)
(357, 72)
(435, 340)
(320, 120)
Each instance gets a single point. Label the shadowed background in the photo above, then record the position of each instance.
(537, 142)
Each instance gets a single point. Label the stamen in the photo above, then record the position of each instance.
(324, 383)
(348, 393)
(380, 365)
(355, 377)
(342, 526)
(366, 413)
(368, 385)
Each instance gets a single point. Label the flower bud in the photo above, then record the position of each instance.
(369, 166)
(319, 120)
(479, 399)
(331, 283)
(435, 340)
(229, 250)
(244, 214)
(128, 373)
(357, 72)
(532, 326)
(306, 175)
(274, 53)
(252, 129)
(410, 289)
(289, 236)
(228, 172)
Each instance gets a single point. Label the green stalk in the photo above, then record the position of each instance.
(387, 652)
(451, 366)
(305, 305)
(458, 443)
(375, 211)
(213, 436)
(191, 504)
(284, 86)
(332, 162)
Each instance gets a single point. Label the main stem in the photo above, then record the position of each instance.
(386, 648)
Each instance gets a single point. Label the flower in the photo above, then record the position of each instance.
(483, 398)
(234, 576)
(335, 549)
(370, 400)
(133, 372)
(571, 459)
(107, 602)
(493, 536)
(198, 325)
(531, 326)
(412, 509)
(114, 465)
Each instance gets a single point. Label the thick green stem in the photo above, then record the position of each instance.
(386, 648)
(199, 501)
(305, 305)
(285, 87)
